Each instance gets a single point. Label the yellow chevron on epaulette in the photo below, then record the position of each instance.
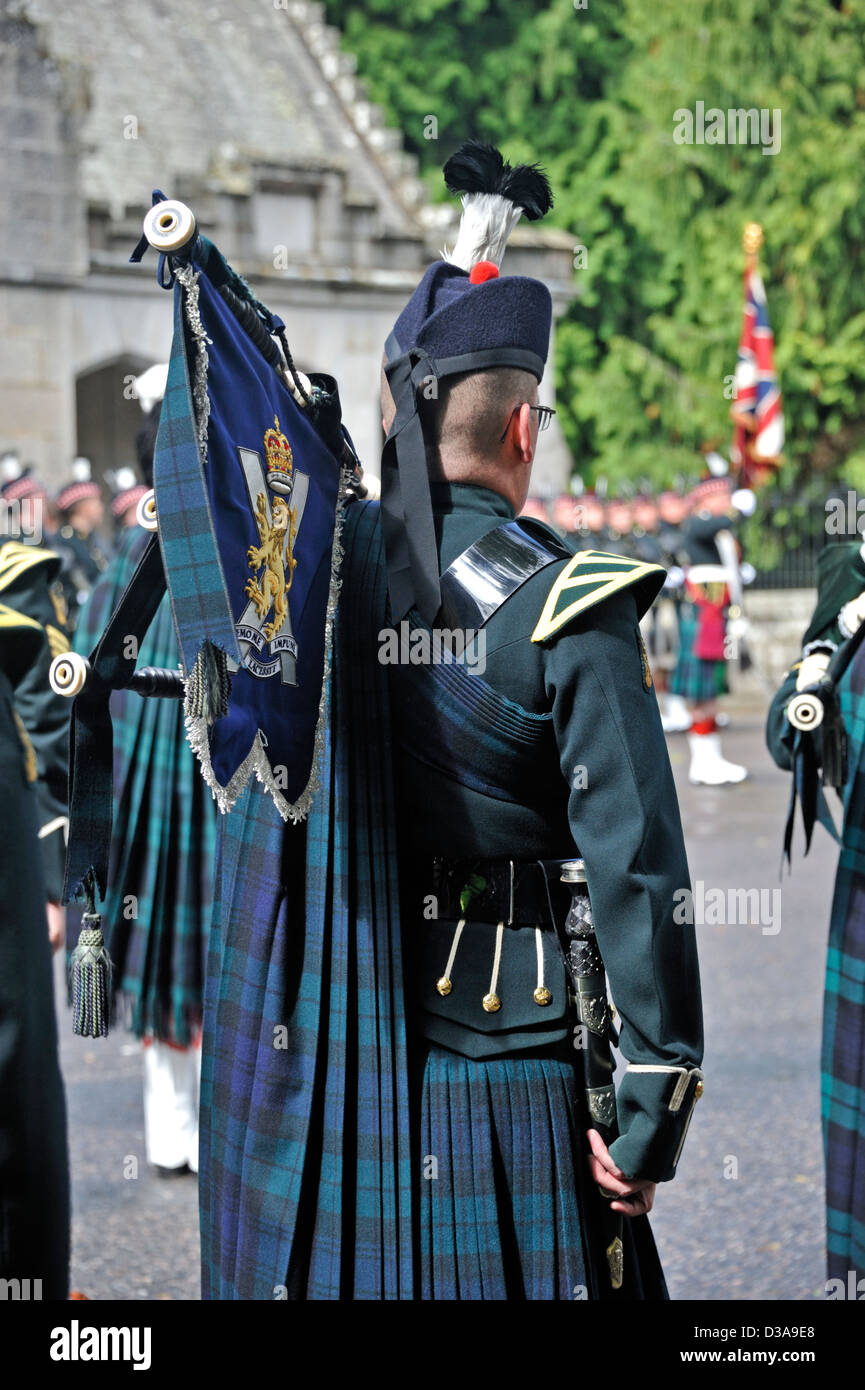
(595, 576)
(57, 640)
(10, 617)
(16, 559)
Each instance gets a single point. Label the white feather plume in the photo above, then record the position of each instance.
(485, 226)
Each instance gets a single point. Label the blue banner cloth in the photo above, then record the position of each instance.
(247, 495)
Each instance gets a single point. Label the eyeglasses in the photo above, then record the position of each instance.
(545, 414)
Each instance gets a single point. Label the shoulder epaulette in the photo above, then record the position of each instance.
(591, 577)
(10, 617)
(16, 559)
(21, 639)
(840, 578)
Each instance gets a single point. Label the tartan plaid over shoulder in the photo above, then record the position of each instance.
(843, 1048)
(305, 1163)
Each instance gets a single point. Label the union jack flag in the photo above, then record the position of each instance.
(757, 412)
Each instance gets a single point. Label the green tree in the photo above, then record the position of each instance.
(647, 349)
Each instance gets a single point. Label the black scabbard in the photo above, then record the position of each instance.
(594, 1033)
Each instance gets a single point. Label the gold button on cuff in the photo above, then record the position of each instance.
(492, 1003)
(542, 995)
(443, 985)
(698, 1090)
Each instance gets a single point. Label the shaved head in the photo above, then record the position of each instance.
(464, 424)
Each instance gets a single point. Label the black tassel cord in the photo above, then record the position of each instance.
(90, 973)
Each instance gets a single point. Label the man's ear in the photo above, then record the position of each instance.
(523, 433)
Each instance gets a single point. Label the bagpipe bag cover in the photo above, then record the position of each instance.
(247, 495)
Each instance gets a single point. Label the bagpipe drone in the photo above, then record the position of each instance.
(815, 735)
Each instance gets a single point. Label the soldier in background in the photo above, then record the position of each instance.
(591, 533)
(27, 513)
(34, 1166)
(81, 510)
(836, 620)
(672, 515)
(127, 492)
(620, 518)
(162, 847)
(673, 510)
(700, 676)
(644, 530)
(28, 584)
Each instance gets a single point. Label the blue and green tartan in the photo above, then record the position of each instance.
(694, 678)
(500, 1212)
(843, 1047)
(509, 1211)
(305, 1176)
(189, 549)
(157, 908)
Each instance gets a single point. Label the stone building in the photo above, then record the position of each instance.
(248, 111)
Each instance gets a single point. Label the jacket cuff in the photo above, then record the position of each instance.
(655, 1104)
(52, 844)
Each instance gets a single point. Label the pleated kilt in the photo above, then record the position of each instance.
(843, 1076)
(507, 1206)
(694, 678)
(157, 907)
(843, 1047)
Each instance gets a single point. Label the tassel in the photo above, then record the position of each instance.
(209, 685)
(89, 979)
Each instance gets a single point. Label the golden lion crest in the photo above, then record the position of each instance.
(273, 559)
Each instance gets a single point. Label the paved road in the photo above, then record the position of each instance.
(134, 1235)
(744, 1218)
(758, 1234)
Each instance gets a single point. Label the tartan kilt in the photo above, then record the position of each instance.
(157, 906)
(508, 1211)
(843, 1075)
(695, 679)
(843, 1046)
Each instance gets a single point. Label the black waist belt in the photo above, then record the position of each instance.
(488, 964)
(512, 891)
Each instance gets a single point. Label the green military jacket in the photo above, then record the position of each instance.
(28, 585)
(571, 647)
(840, 578)
(34, 1179)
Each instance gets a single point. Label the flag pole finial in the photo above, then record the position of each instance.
(752, 240)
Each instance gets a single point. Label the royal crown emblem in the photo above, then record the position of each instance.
(277, 493)
(280, 461)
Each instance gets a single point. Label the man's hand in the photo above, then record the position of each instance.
(632, 1198)
(56, 925)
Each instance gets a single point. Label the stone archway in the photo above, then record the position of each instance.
(108, 415)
